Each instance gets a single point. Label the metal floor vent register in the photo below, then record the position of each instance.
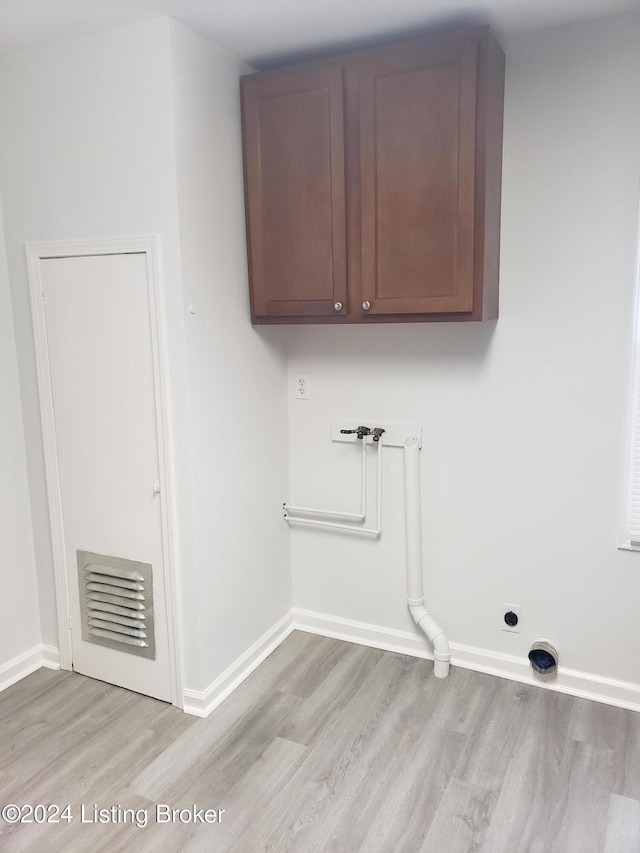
(116, 603)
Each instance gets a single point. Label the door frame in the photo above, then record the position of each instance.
(150, 246)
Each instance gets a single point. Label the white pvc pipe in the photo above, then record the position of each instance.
(367, 531)
(415, 593)
(288, 508)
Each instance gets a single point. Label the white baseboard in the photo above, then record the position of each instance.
(200, 703)
(26, 663)
(50, 657)
(622, 694)
(389, 639)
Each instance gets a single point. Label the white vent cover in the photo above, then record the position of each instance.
(116, 603)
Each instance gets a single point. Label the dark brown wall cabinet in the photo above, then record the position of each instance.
(372, 183)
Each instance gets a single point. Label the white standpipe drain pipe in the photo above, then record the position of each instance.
(415, 594)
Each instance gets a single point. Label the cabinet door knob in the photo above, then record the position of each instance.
(338, 306)
(366, 305)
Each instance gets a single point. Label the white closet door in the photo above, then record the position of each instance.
(101, 364)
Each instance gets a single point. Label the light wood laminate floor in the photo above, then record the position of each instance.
(328, 746)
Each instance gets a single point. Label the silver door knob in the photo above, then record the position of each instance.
(338, 306)
(366, 305)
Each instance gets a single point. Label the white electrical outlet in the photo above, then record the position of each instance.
(303, 390)
(510, 618)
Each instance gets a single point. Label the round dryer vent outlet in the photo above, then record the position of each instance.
(543, 657)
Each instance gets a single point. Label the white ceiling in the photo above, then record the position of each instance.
(262, 30)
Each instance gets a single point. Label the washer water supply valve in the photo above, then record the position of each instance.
(361, 431)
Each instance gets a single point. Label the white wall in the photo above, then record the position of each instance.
(19, 611)
(87, 151)
(137, 131)
(524, 418)
(237, 374)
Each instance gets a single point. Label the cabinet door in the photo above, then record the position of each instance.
(417, 172)
(295, 194)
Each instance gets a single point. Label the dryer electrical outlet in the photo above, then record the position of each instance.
(510, 618)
